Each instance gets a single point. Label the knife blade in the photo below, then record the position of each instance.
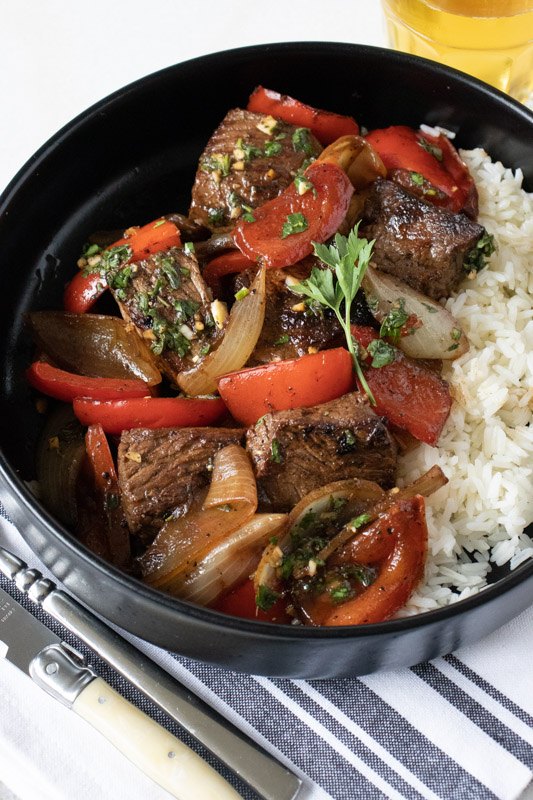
(62, 673)
(260, 770)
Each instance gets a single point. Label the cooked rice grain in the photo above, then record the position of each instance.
(486, 448)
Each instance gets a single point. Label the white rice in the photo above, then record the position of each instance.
(486, 449)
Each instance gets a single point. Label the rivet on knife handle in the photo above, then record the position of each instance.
(151, 748)
(267, 776)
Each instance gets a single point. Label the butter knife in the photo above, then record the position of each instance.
(261, 771)
(62, 673)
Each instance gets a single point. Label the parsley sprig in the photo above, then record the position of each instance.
(347, 260)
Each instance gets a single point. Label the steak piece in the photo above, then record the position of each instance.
(249, 159)
(168, 302)
(300, 450)
(290, 329)
(420, 244)
(160, 471)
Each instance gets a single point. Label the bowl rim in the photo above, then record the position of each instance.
(82, 117)
(18, 489)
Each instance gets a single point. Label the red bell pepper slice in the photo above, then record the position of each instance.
(226, 264)
(66, 386)
(325, 125)
(397, 541)
(116, 416)
(433, 158)
(84, 290)
(407, 393)
(296, 383)
(321, 210)
(240, 602)
(161, 234)
(108, 494)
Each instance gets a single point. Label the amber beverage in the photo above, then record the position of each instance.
(491, 39)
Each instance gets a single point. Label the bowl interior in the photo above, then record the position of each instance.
(133, 157)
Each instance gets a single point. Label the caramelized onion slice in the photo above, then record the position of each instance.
(182, 543)
(425, 485)
(95, 345)
(357, 158)
(240, 337)
(439, 335)
(337, 502)
(60, 454)
(230, 562)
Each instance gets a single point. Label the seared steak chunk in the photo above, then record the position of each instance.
(249, 159)
(166, 298)
(300, 450)
(421, 244)
(291, 328)
(160, 471)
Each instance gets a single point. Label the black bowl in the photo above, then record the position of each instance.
(129, 159)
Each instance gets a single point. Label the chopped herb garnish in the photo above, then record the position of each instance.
(304, 185)
(431, 148)
(188, 248)
(215, 216)
(347, 260)
(242, 293)
(112, 260)
(275, 452)
(349, 437)
(381, 352)
(358, 522)
(249, 151)
(272, 148)
(261, 419)
(301, 141)
(217, 163)
(339, 594)
(392, 325)
(430, 308)
(265, 598)
(456, 334)
(279, 136)
(142, 302)
(247, 216)
(226, 507)
(185, 309)
(336, 503)
(205, 349)
(452, 348)
(476, 258)
(295, 223)
(91, 250)
(171, 274)
(417, 178)
(159, 222)
(167, 337)
(119, 281)
(283, 339)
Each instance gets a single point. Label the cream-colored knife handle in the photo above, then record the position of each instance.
(169, 762)
(175, 767)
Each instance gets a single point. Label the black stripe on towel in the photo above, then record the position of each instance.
(306, 749)
(489, 689)
(484, 719)
(434, 768)
(350, 740)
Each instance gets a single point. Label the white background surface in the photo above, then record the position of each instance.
(57, 57)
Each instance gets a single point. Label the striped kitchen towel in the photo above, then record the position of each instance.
(457, 727)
